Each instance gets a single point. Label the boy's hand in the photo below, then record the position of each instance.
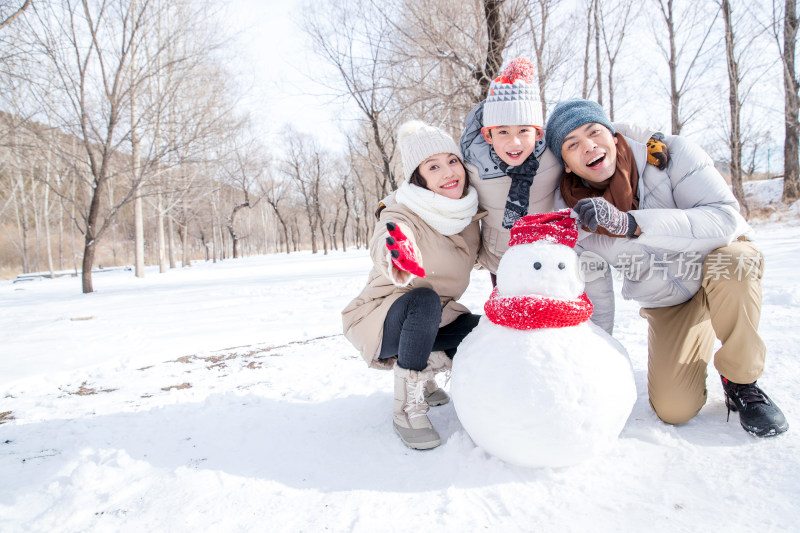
(657, 151)
(597, 212)
(403, 255)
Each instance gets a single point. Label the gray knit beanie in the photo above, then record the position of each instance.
(513, 98)
(571, 114)
(418, 141)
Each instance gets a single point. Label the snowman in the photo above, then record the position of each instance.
(535, 383)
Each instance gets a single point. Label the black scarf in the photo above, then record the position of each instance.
(520, 192)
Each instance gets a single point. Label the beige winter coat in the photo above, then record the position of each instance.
(447, 261)
(492, 194)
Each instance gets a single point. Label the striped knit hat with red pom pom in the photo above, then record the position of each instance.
(513, 98)
(557, 227)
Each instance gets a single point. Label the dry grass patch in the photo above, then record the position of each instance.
(177, 387)
(87, 391)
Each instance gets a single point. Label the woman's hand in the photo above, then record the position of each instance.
(402, 251)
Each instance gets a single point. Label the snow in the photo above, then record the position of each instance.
(566, 392)
(223, 397)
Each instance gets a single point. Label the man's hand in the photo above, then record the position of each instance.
(597, 212)
(403, 255)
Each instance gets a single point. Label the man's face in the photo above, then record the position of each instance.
(590, 151)
(513, 143)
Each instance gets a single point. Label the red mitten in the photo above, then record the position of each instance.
(403, 255)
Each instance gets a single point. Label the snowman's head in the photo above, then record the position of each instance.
(540, 268)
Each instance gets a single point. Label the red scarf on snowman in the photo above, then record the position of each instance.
(533, 312)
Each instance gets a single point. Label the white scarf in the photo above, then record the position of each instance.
(445, 215)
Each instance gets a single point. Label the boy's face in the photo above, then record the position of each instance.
(513, 143)
(590, 151)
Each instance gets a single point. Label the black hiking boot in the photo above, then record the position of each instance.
(757, 413)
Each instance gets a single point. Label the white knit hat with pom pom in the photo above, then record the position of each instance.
(418, 141)
(513, 98)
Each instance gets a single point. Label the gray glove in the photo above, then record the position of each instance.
(594, 212)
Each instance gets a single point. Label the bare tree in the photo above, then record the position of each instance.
(613, 36)
(343, 182)
(5, 20)
(549, 49)
(305, 164)
(353, 38)
(590, 28)
(243, 172)
(450, 51)
(598, 62)
(93, 81)
(791, 89)
(496, 40)
(361, 195)
(686, 52)
(735, 106)
(274, 192)
(88, 46)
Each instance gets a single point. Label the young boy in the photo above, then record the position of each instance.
(503, 144)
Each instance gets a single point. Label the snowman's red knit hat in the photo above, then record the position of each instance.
(557, 227)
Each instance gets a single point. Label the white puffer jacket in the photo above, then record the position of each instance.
(685, 212)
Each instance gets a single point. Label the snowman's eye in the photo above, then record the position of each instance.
(537, 265)
(562, 266)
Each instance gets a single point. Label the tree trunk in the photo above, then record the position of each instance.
(35, 215)
(735, 138)
(138, 215)
(495, 45)
(171, 240)
(90, 237)
(47, 235)
(587, 46)
(598, 62)
(232, 230)
(791, 164)
(138, 223)
(160, 237)
(21, 209)
(284, 226)
(346, 215)
(186, 261)
(674, 94)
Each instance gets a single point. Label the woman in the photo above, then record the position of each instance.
(423, 250)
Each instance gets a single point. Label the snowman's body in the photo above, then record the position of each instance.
(545, 396)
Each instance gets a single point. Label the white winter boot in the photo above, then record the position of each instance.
(438, 362)
(410, 410)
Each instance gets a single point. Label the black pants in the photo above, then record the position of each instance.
(411, 329)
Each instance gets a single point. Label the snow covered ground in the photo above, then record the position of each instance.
(223, 397)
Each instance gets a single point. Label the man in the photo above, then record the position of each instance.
(683, 249)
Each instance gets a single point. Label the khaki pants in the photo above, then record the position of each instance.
(680, 338)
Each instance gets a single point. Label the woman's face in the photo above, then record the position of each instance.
(444, 174)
